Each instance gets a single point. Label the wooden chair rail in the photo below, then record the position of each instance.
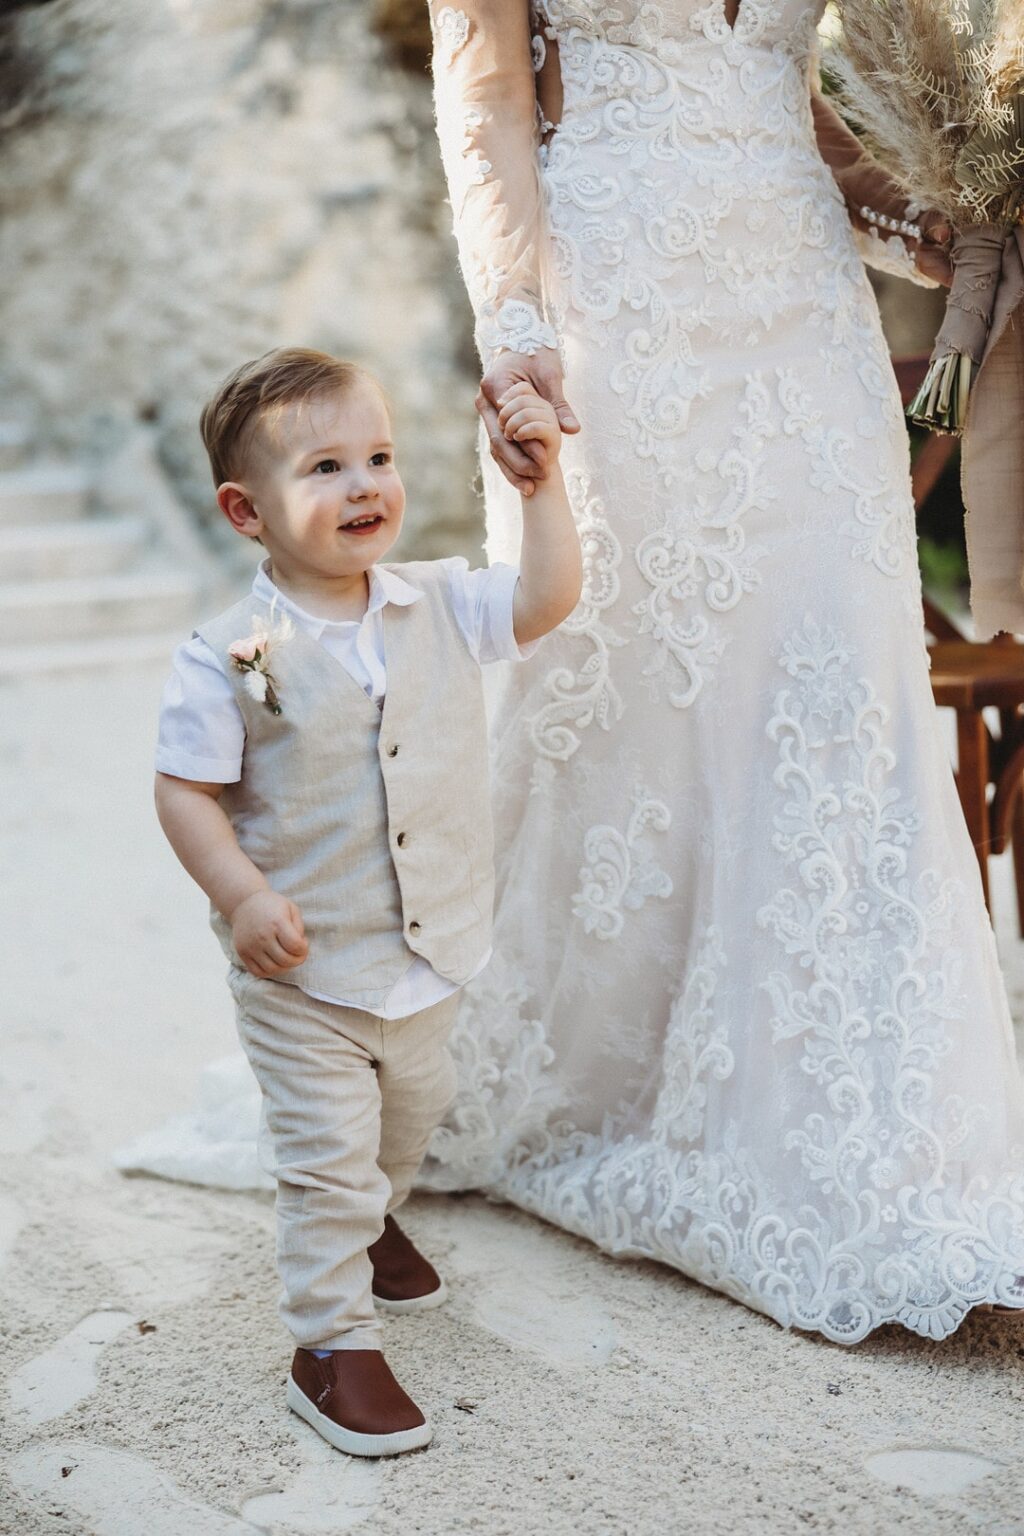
(971, 677)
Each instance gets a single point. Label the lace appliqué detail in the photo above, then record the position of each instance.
(882, 527)
(505, 1093)
(878, 994)
(702, 553)
(451, 32)
(621, 875)
(647, 228)
(696, 1049)
(479, 169)
(864, 1007)
(750, 26)
(769, 1082)
(514, 326)
(890, 254)
(582, 693)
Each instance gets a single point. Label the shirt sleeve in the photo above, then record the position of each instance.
(489, 131)
(201, 734)
(482, 601)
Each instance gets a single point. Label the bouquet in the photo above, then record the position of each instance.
(937, 86)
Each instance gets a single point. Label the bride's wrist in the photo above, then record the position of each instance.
(907, 227)
(515, 325)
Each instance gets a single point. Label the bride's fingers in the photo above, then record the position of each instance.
(520, 468)
(933, 253)
(514, 392)
(500, 449)
(934, 262)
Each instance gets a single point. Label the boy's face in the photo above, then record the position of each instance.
(327, 498)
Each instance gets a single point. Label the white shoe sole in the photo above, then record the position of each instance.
(348, 1440)
(413, 1303)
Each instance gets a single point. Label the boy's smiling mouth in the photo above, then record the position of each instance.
(366, 523)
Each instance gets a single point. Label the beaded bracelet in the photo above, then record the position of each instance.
(898, 226)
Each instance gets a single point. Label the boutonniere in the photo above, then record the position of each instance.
(252, 656)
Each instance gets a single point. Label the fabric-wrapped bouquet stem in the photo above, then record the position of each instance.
(988, 280)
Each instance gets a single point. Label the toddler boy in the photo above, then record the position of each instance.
(322, 774)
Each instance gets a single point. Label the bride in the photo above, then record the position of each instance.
(745, 1014)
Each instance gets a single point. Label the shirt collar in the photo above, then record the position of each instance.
(386, 586)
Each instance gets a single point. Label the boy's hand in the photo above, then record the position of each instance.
(268, 934)
(526, 417)
(542, 370)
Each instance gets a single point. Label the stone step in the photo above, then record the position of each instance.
(42, 493)
(129, 605)
(99, 653)
(84, 547)
(14, 443)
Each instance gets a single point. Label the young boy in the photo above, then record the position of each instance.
(322, 774)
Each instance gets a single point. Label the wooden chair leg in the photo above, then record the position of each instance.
(1017, 836)
(972, 783)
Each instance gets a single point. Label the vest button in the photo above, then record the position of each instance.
(400, 839)
(414, 927)
(393, 750)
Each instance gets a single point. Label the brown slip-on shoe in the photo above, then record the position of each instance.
(403, 1280)
(352, 1399)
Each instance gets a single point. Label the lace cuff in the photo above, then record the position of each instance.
(514, 326)
(891, 255)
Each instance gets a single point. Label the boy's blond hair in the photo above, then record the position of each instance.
(263, 388)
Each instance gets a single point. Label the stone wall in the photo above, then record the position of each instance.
(189, 182)
(186, 183)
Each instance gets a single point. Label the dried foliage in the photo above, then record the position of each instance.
(936, 86)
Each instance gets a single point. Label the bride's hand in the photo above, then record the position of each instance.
(933, 250)
(522, 465)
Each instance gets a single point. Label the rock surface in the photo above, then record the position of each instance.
(191, 182)
(142, 1362)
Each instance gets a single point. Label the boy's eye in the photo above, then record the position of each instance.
(380, 458)
(326, 467)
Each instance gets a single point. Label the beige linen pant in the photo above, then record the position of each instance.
(349, 1103)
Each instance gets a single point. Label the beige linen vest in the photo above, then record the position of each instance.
(377, 824)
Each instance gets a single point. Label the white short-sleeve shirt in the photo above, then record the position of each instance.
(201, 734)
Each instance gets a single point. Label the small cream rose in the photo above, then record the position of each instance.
(244, 650)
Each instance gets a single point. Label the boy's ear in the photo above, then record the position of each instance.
(236, 504)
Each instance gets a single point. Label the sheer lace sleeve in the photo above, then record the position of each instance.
(865, 184)
(488, 127)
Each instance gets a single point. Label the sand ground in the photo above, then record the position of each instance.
(143, 1363)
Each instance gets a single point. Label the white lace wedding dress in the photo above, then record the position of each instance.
(744, 1014)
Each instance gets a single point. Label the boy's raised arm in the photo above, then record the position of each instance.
(550, 562)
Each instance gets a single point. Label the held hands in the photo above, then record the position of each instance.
(522, 465)
(527, 419)
(268, 934)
